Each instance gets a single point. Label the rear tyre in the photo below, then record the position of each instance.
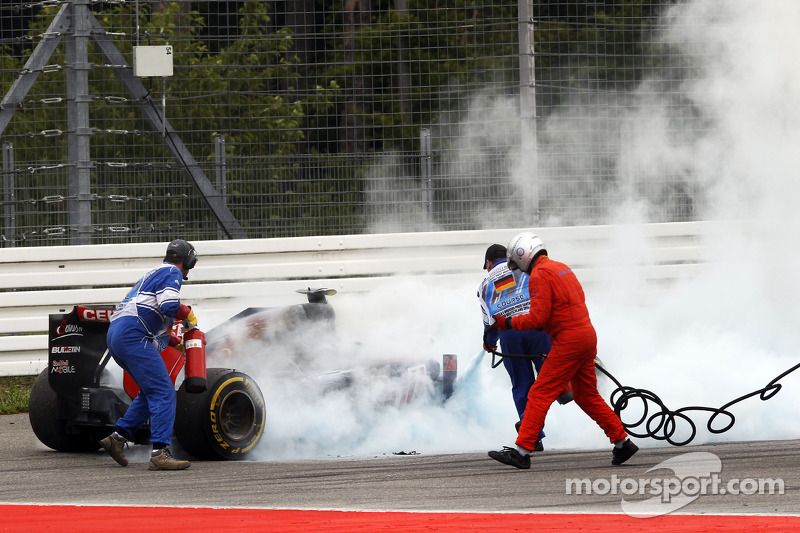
(225, 421)
(43, 409)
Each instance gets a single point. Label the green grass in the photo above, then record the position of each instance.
(14, 392)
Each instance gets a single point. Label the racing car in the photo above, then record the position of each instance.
(77, 399)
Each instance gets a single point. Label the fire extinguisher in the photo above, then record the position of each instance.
(194, 345)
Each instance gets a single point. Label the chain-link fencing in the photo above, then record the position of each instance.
(314, 117)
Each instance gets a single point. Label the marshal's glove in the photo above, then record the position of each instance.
(191, 320)
(186, 315)
(500, 323)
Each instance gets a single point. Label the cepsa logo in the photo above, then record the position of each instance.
(62, 367)
(95, 315)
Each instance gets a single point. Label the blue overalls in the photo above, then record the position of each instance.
(139, 330)
(504, 292)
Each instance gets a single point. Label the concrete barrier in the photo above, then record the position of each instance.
(38, 281)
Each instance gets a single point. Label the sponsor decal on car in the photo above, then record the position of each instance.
(62, 367)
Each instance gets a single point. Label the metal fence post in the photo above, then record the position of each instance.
(78, 137)
(9, 214)
(425, 162)
(527, 112)
(220, 170)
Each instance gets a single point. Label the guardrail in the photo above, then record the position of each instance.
(38, 281)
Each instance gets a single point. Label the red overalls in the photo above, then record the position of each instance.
(558, 306)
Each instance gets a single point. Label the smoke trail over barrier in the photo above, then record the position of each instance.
(720, 335)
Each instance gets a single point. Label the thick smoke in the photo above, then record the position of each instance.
(733, 327)
(720, 334)
(328, 393)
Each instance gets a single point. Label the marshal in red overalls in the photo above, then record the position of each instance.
(558, 306)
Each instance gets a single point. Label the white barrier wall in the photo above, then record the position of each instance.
(38, 281)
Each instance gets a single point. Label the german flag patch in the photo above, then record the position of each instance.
(504, 283)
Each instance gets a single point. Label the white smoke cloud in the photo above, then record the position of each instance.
(722, 334)
(733, 328)
(406, 321)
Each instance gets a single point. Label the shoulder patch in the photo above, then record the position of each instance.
(506, 282)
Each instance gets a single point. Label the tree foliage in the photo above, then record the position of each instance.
(244, 91)
(299, 137)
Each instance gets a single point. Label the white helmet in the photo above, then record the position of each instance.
(523, 248)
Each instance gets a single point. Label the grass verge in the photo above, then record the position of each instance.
(14, 393)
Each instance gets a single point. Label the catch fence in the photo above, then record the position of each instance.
(302, 117)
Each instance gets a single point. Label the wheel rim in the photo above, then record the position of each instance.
(237, 415)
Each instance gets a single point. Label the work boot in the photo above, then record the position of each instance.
(623, 453)
(510, 456)
(163, 460)
(114, 448)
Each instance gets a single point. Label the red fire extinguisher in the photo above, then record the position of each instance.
(194, 344)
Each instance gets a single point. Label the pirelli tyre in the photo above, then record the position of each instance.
(43, 413)
(224, 422)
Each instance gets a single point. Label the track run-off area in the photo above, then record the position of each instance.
(753, 488)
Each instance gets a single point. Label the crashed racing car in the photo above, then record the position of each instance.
(221, 413)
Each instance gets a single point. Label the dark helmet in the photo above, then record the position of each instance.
(180, 251)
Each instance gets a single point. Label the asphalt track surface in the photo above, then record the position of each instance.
(462, 483)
